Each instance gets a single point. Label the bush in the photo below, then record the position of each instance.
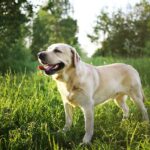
(16, 58)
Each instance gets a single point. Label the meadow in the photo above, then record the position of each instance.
(31, 114)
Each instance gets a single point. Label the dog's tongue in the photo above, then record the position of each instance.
(41, 67)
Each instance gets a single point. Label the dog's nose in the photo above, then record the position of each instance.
(41, 55)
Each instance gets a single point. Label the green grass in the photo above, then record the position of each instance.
(31, 113)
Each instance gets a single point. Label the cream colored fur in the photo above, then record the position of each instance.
(85, 86)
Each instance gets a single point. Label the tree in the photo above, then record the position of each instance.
(125, 34)
(14, 16)
(53, 24)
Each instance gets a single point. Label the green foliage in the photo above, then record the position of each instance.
(147, 48)
(53, 25)
(58, 8)
(12, 19)
(18, 59)
(13, 29)
(125, 34)
(31, 113)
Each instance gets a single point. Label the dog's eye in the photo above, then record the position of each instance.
(57, 51)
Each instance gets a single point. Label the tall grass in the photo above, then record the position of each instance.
(31, 113)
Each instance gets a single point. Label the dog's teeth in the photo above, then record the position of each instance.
(55, 67)
(49, 67)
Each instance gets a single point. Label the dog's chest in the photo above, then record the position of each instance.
(67, 92)
(63, 89)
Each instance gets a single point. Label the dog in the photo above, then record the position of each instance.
(84, 85)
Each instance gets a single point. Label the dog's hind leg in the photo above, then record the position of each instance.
(120, 100)
(138, 98)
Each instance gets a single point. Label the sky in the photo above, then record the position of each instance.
(85, 12)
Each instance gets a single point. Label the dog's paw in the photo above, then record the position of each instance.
(61, 131)
(86, 145)
(65, 129)
(125, 119)
(87, 138)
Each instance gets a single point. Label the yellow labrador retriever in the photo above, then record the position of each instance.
(84, 85)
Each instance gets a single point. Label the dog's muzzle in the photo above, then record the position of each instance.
(49, 69)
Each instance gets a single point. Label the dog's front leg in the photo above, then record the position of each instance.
(68, 116)
(89, 123)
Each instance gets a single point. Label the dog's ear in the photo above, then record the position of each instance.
(75, 57)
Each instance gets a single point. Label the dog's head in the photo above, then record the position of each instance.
(57, 58)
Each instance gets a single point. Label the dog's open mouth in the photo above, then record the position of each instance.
(51, 69)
